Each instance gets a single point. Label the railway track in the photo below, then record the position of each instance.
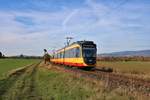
(132, 84)
(115, 80)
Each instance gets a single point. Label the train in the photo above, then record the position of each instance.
(81, 54)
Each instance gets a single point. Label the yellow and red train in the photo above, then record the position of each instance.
(80, 54)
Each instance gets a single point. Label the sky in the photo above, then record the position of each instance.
(29, 26)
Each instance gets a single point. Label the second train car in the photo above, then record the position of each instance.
(80, 54)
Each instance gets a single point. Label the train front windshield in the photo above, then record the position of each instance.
(89, 52)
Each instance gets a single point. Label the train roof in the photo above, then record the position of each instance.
(79, 43)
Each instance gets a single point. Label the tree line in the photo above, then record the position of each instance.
(20, 56)
(131, 58)
(2, 55)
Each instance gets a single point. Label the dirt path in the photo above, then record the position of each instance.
(20, 85)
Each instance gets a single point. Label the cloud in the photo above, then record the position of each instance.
(67, 19)
(111, 25)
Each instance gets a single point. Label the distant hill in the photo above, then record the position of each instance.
(127, 53)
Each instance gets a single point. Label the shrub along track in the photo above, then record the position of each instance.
(20, 85)
(115, 80)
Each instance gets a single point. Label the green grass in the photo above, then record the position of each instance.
(127, 67)
(9, 64)
(53, 85)
(37, 83)
(59, 86)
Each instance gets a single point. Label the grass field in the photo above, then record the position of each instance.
(9, 64)
(135, 67)
(54, 85)
(38, 83)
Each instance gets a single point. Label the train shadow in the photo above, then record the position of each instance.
(104, 69)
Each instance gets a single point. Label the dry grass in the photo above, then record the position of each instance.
(134, 68)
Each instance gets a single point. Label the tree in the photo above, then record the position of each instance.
(1, 55)
(21, 56)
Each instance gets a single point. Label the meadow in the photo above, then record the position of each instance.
(57, 85)
(36, 82)
(8, 64)
(128, 67)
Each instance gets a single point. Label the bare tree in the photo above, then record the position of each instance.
(46, 56)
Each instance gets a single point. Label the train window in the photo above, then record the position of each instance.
(89, 52)
(70, 53)
(66, 53)
(57, 55)
(54, 55)
(77, 52)
(60, 55)
(73, 53)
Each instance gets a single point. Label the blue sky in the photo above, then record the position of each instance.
(29, 26)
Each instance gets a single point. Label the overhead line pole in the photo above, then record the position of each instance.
(68, 39)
